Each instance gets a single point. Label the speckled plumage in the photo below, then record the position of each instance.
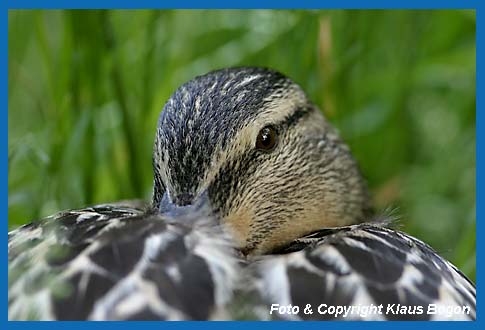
(231, 229)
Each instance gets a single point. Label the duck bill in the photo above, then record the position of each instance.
(199, 207)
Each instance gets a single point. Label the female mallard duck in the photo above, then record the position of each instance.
(258, 212)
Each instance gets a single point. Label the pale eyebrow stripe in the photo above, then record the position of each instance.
(278, 111)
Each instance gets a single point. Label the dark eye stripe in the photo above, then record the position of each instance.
(295, 117)
(286, 123)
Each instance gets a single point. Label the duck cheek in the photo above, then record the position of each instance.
(238, 224)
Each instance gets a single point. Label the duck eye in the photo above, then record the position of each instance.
(266, 139)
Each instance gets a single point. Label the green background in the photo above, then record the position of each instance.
(86, 89)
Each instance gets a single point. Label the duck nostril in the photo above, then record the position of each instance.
(186, 208)
(184, 199)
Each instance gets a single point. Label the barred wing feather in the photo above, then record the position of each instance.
(123, 263)
(118, 263)
(364, 265)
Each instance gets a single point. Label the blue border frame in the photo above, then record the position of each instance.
(5, 5)
(262, 4)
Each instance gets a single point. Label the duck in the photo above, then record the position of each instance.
(259, 212)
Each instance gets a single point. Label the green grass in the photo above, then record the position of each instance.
(86, 89)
